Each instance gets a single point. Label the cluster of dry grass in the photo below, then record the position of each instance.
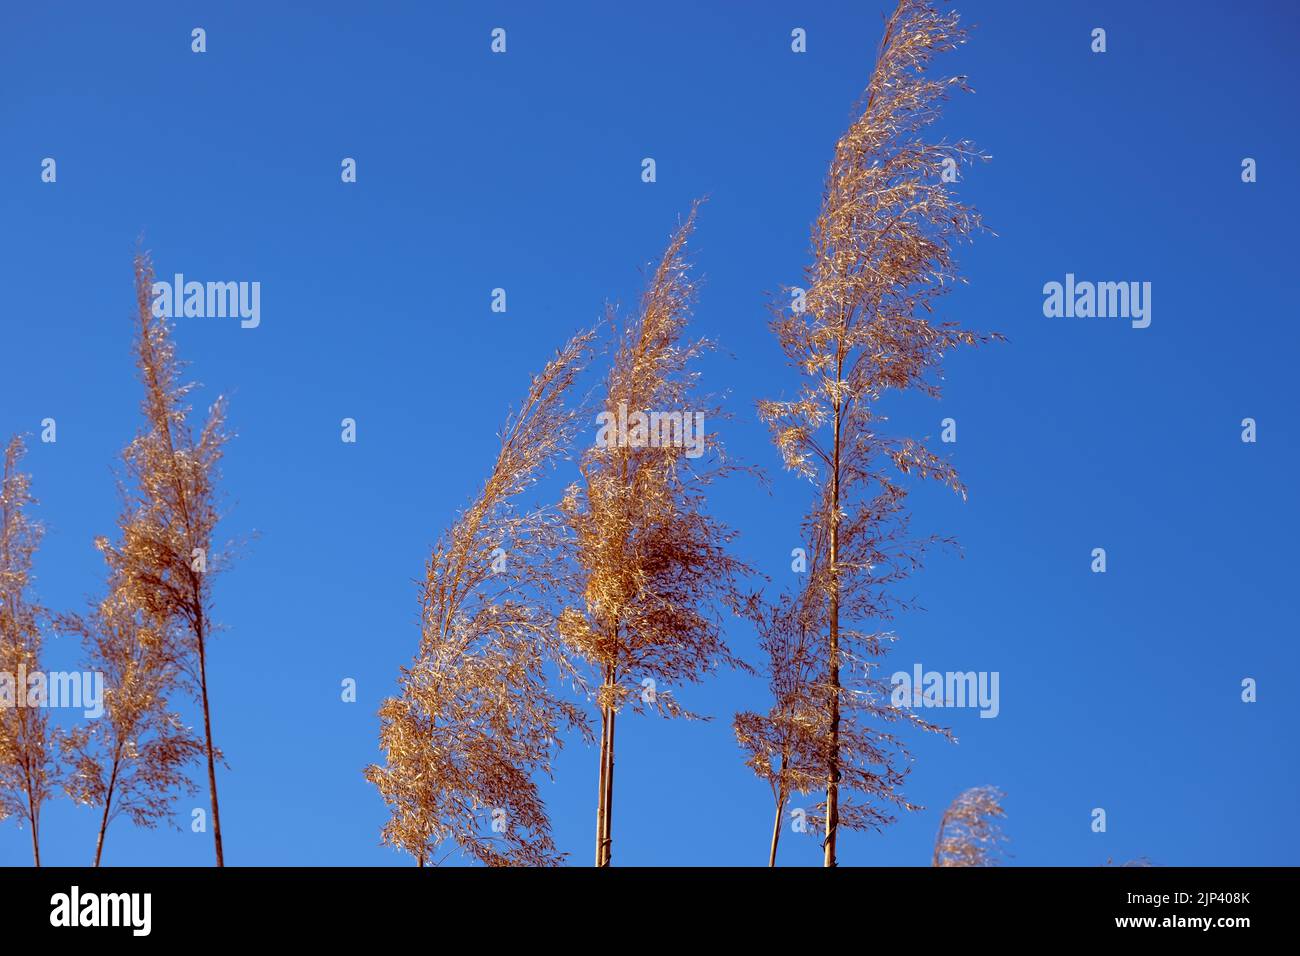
(610, 597)
(633, 578)
(148, 636)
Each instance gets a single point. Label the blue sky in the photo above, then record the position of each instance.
(522, 171)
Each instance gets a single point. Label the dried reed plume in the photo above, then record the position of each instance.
(969, 833)
(881, 256)
(164, 561)
(29, 770)
(653, 572)
(476, 721)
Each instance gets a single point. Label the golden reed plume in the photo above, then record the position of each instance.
(162, 563)
(475, 721)
(882, 254)
(29, 768)
(653, 572)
